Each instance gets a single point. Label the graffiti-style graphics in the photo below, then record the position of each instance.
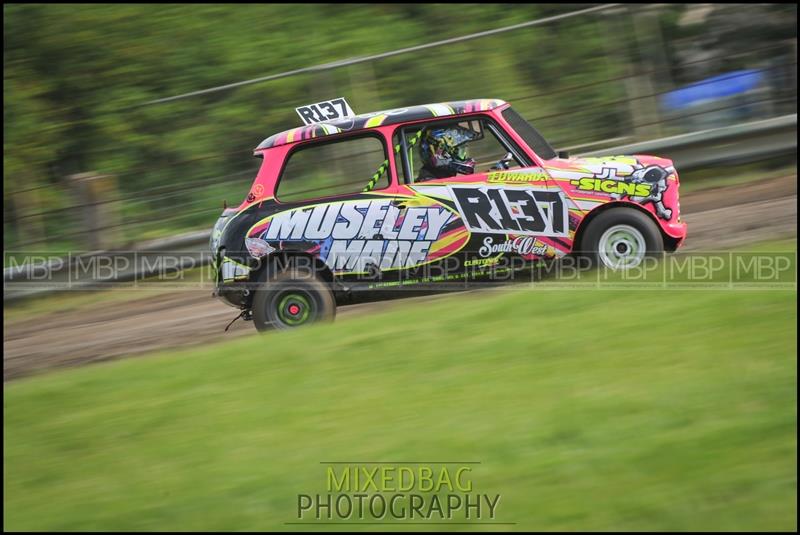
(619, 178)
(650, 184)
(447, 228)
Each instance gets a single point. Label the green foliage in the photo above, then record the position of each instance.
(76, 78)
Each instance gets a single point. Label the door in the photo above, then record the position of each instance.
(333, 202)
(507, 209)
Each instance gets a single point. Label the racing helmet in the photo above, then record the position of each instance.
(443, 150)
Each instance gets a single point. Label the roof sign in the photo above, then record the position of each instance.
(327, 110)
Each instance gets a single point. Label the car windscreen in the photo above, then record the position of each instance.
(531, 136)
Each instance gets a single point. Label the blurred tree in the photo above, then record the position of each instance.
(75, 77)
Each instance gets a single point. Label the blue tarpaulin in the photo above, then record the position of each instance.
(724, 85)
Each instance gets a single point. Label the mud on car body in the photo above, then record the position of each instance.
(344, 205)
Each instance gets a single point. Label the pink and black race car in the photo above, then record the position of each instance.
(351, 204)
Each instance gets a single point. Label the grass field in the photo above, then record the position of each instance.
(587, 409)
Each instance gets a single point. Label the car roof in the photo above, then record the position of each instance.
(367, 121)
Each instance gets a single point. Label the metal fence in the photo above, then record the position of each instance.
(627, 105)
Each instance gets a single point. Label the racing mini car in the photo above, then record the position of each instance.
(352, 204)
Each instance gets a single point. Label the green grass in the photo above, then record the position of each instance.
(606, 410)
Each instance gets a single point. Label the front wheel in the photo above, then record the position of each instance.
(621, 238)
(292, 298)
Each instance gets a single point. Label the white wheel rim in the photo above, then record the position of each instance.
(621, 247)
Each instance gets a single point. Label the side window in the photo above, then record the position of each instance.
(338, 168)
(469, 144)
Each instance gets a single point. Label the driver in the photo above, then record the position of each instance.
(444, 153)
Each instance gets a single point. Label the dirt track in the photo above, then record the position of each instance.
(718, 219)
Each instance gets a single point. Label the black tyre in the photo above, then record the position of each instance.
(292, 298)
(621, 238)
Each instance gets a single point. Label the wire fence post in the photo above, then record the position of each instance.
(27, 221)
(100, 218)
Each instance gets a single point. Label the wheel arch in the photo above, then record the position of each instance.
(670, 243)
(279, 261)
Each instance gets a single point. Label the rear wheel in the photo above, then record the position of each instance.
(292, 298)
(621, 238)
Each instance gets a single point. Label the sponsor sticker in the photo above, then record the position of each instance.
(612, 186)
(517, 176)
(354, 235)
(522, 245)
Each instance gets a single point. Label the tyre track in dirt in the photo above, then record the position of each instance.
(718, 219)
